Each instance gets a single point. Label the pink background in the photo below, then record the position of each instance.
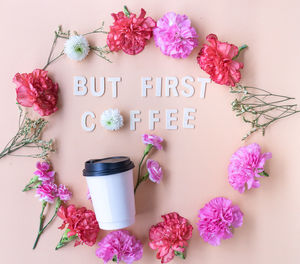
(195, 161)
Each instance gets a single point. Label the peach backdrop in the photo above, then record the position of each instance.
(195, 161)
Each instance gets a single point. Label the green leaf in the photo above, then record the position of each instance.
(115, 259)
(264, 174)
(179, 254)
(126, 12)
(65, 239)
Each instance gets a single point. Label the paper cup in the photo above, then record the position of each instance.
(110, 182)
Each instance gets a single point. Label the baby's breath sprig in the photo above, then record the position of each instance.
(61, 34)
(29, 135)
(101, 52)
(97, 30)
(260, 108)
(57, 34)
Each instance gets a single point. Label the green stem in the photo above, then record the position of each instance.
(146, 152)
(9, 150)
(240, 49)
(41, 224)
(52, 218)
(144, 178)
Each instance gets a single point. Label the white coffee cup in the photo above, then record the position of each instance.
(110, 182)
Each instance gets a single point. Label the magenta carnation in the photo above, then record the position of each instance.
(175, 36)
(216, 220)
(120, 246)
(43, 172)
(63, 193)
(47, 192)
(247, 164)
(154, 170)
(153, 140)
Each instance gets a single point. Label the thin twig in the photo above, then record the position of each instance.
(256, 106)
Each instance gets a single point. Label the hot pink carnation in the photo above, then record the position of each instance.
(217, 218)
(217, 61)
(64, 193)
(130, 34)
(154, 170)
(246, 164)
(153, 140)
(169, 236)
(175, 36)
(43, 172)
(37, 90)
(120, 245)
(47, 192)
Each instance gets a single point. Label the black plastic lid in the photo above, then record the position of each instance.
(107, 166)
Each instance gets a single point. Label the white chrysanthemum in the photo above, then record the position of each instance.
(111, 119)
(77, 47)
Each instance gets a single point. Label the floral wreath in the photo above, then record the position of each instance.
(129, 33)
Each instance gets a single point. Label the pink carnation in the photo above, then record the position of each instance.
(63, 193)
(80, 222)
(43, 172)
(120, 246)
(37, 90)
(170, 236)
(175, 36)
(247, 164)
(218, 60)
(130, 34)
(217, 218)
(153, 140)
(154, 170)
(47, 192)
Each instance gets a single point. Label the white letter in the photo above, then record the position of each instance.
(79, 82)
(187, 117)
(203, 81)
(190, 88)
(170, 118)
(145, 86)
(134, 119)
(114, 81)
(158, 86)
(172, 85)
(152, 118)
(93, 86)
(84, 123)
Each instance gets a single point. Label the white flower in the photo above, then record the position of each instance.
(111, 119)
(77, 48)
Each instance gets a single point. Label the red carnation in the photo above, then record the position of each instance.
(37, 90)
(130, 33)
(170, 236)
(81, 222)
(217, 61)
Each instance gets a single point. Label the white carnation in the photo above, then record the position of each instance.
(77, 48)
(111, 119)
